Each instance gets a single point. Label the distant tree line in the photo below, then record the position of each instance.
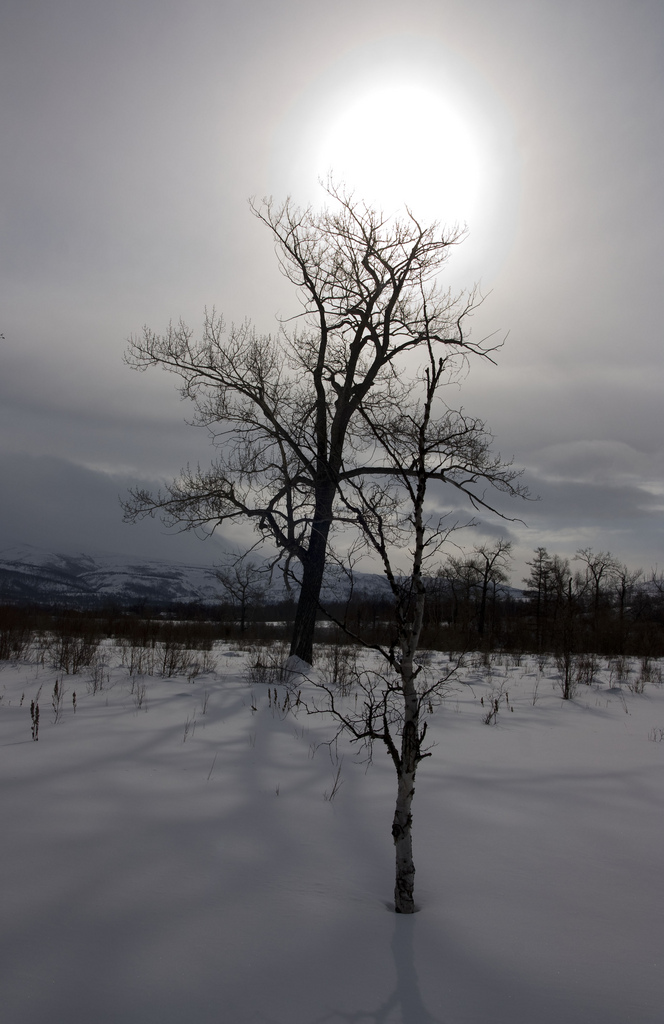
(590, 603)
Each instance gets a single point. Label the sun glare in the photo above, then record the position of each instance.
(407, 122)
(404, 144)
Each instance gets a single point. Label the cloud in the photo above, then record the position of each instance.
(63, 507)
(602, 462)
(624, 519)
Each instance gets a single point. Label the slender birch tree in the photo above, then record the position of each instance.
(415, 444)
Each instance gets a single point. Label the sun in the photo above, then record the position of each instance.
(406, 122)
(398, 145)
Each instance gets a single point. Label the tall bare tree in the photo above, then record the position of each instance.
(600, 572)
(281, 411)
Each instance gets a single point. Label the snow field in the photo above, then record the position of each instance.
(176, 856)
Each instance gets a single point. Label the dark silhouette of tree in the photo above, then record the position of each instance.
(600, 570)
(283, 412)
(479, 573)
(245, 583)
(539, 590)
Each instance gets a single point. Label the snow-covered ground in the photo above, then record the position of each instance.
(172, 854)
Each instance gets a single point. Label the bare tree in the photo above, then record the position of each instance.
(463, 579)
(485, 568)
(281, 412)
(244, 581)
(601, 568)
(568, 591)
(656, 582)
(624, 580)
(623, 584)
(494, 561)
(401, 526)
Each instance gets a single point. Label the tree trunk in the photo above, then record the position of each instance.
(482, 615)
(313, 569)
(302, 639)
(403, 818)
(403, 844)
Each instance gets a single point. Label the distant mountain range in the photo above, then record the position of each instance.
(30, 574)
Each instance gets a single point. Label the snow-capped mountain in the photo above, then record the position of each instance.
(30, 573)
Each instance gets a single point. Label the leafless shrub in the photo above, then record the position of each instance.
(585, 668)
(260, 671)
(69, 654)
(15, 642)
(99, 673)
(620, 670)
(535, 695)
(338, 667)
(266, 664)
(139, 693)
(646, 666)
(167, 658)
(648, 673)
(497, 697)
(203, 662)
(139, 660)
(175, 659)
(565, 663)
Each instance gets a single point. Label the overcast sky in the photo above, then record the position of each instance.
(133, 133)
